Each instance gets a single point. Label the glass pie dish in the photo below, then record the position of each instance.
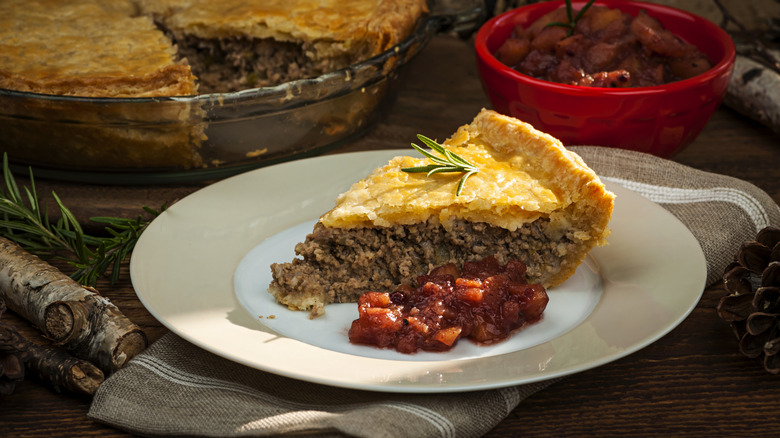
(210, 136)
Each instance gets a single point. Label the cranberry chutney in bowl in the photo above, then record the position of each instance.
(659, 114)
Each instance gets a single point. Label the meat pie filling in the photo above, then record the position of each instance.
(338, 265)
(233, 64)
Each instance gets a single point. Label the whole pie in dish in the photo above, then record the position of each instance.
(531, 200)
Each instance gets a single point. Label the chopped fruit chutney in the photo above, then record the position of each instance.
(607, 48)
(485, 302)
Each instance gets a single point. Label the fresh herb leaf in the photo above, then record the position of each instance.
(572, 19)
(448, 161)
(22, 220)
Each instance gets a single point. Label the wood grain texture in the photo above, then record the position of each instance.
(692, 382)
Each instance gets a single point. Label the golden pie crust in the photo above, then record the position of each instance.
(87, 48)
(524, 174)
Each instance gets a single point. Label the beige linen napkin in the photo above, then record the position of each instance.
(175, 388)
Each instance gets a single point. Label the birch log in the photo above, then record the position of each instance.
(754, 91)
(85, 323)
(61, 370)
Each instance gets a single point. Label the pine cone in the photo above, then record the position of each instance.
(13, 353)
(753, 305)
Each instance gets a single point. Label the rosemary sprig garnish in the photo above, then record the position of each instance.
(572, 19)
(448, 162)
(24, 221)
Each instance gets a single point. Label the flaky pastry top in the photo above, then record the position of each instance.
(86, 48)
(523, 174)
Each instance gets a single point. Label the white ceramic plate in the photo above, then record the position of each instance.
(202, 268)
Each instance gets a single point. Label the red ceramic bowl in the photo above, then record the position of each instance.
(660, 120)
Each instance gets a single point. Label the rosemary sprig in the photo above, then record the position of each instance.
(448, 162)
(572, 19)
(24, 221)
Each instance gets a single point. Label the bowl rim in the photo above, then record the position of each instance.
(722, 67)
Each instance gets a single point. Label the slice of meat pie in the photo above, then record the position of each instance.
(531, 200)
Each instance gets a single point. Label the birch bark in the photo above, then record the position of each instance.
(85, 323)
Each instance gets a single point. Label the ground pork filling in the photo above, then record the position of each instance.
(339, 265)
(233, 64)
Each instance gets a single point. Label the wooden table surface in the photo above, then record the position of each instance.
(692, 382)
